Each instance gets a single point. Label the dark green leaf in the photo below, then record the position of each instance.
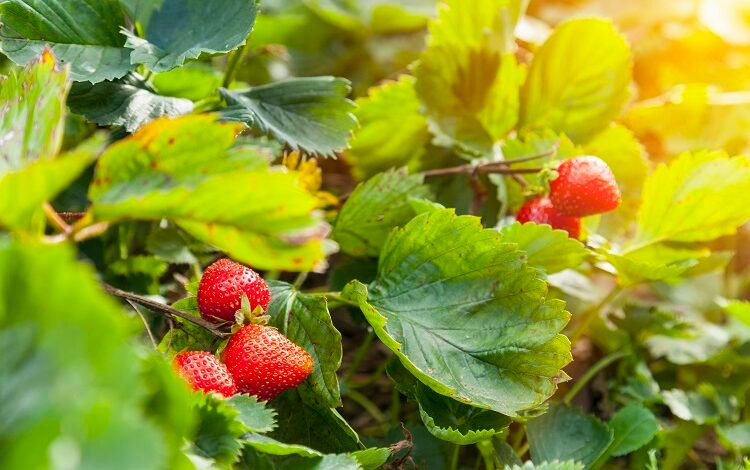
(465, 315)
(327, 462)
(270, 446)
(305, 320)
(553, 465)
(565, 433)
(219, 430)
(445, 418)
(737, 435)
(129, 102)
(322, 429)
(82, 33)
(178, 30)
(633, 426)
(374, 209)
(312, 114)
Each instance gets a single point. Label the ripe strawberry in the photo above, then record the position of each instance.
(222, 285)
(203, 371)
(584, 186)
(264, 362)
(541, 211)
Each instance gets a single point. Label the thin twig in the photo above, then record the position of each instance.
(493, 167)
(54, 218)
(162, 309)
(145, 323)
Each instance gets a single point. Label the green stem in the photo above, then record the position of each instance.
(367, 405)
(234, 60)
(591, 373)
(359, 356)
(301, 277)
(454, 457)
(588, 315)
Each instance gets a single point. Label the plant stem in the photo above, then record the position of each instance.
(493, 167)
(301, 277)
(54, 218)
(589, 314)
(367, 405)
(162, 309)
(145, 323)
(359, 356)
(454, 457)
(234, 60)
(591, 373)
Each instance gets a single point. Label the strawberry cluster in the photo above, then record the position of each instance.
(584, 186)
(258, 359)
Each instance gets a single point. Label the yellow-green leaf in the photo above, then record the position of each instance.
(386, 138)
(578, 80)
(185, 170)
(697, 197)
(468, 78)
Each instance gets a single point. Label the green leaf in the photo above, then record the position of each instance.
(700, 343)
(633, 427)
(33, 119)
(322, 429)
(374, 208)
(740, 310)
(445, 418)
(386, 139)
(39, 182)
(373, 458)
(82, 33)
(578, 80)
(565, 433)
(554, 465)
(327, 462)
(252, 413)
(465, 315)
(312, 114)
(189, 336)
(547, 249)
(179, 30)
(706, 405)
(468, 78)
(129, 102)
(219, 430)
(658, 262)
(271, 446)
(737, 435)
(305, 320)
(184, 169)
(697, 197)
(89, 393)
(193, 81)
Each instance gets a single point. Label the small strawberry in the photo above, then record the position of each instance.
(541, 211)
(222, 286)
(584, 186)
(203, 371)
(264, 362)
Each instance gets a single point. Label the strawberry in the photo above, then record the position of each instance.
(222, 285)
(203, 371)
(541, 211)
(264, 362)
(584, 186)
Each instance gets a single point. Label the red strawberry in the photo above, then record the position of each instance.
(541, 211)
(221, 288)
(584, 186)
(264, 362)
(203, 371)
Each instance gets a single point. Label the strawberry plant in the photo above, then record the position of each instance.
(442, 234)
